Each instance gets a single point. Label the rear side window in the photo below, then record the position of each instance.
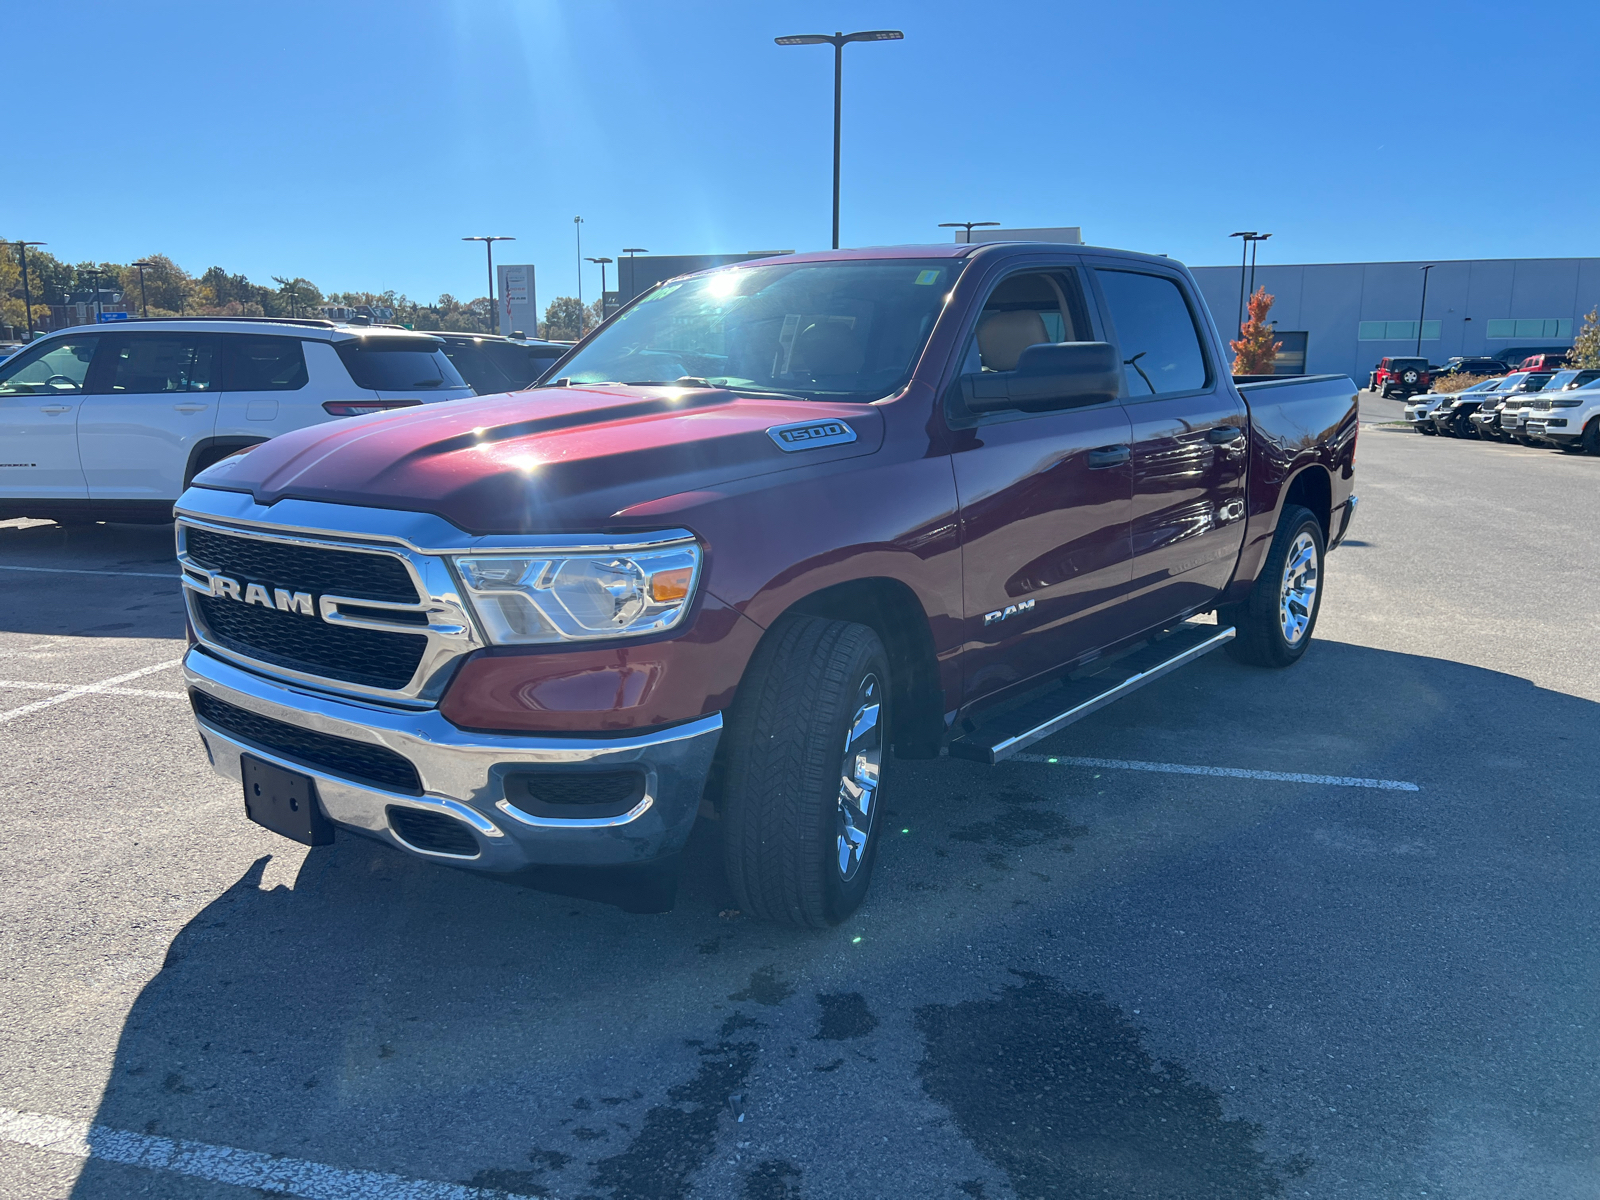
(394, 364)
(1161, 352)
(263, 364)
(155, 363)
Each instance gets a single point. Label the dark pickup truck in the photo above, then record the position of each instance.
(765, 531)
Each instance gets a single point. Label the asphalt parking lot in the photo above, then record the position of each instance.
(1327, 932)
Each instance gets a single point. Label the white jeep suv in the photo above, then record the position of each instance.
(1570, 419)
(110, 422)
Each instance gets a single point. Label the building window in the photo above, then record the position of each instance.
(1400, 331)
(1291, 357)
(1559, 328)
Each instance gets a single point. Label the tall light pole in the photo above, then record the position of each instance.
(96, 272)
(630, 251)
(577, 231)
(27, 298)
(144, 309)
(602, 262)
(1244, 254)
(969, 226)
(1259, 237)
(837, 41)
(1423, 310)
(488, 245)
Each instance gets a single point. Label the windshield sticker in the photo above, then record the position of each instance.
(809, 435)
(925, 278)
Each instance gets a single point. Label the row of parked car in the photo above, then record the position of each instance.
(1404, 377)
(1559, 408)
(104, 421)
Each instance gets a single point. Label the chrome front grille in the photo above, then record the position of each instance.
(364, 618)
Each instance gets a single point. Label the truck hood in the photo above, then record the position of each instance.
(553, 460)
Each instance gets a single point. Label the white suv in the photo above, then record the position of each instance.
(110, 422)
(1570, 420)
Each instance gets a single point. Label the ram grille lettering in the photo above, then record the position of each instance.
(254, 593)
(809, 435)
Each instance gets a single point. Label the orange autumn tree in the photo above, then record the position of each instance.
(1255, 352)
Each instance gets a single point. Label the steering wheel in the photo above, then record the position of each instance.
(70, 382)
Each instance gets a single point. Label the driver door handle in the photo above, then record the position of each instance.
(191, 407)
(55, 408)
(1221, 435)
(1109, 456)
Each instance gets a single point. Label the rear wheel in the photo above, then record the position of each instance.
(801, 801)
(1275, 624)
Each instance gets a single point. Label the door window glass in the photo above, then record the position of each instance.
(1026, 310)
(57, 368)
(1161, 351)
(263, 364)
(398, 364)
(153, 363)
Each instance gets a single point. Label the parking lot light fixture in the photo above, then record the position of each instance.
(630, 251)
(488, 241)
(602, 262)
(144, 309)
(837, 41)
(1244, 255)
(969, 226)
(577, 230)
(1421, 312)
(1260, 237)
(27, 298)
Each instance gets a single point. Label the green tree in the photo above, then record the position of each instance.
(1255, 352)
(561, 319)
(1586, 346)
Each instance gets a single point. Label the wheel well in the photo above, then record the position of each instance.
(893, 612)
(1314, 490)
(210, 450)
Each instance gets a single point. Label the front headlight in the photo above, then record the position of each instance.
(580, 596)
(1565, 403)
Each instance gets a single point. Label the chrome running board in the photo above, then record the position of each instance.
(997, 740)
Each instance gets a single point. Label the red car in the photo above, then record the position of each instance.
(765, 531)
(1401, 377)
(1553, 361)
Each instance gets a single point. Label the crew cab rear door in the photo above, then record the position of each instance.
(1045, 498)
(1191, 439)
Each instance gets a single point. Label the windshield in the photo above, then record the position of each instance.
(848, 330)
(1488, 385)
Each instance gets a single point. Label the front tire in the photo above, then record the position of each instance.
(1276, 623)
(1591, 437)
(802, 791)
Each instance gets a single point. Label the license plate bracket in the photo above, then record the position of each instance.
(283, 801)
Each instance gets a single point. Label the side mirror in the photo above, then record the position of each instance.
(1048, 375)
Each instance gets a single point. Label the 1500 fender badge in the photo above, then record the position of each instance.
(808, 435)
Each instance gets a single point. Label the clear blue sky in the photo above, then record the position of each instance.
(354, 142)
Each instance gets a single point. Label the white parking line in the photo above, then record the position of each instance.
(82, 571)
(21, 685)
(1120, 764)
(105, 686)
(224, 1164)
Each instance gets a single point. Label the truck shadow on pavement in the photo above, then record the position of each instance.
(99, 580)
(384, 1014)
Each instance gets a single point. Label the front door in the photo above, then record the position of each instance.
(152, 398)
(1191, 439)
(41, 389)
(1045, 502)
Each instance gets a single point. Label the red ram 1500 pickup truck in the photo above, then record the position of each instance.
(761, 533)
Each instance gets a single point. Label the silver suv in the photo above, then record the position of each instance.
(110, 422)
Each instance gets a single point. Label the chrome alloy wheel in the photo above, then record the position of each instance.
(1298, 596)
(858, 777)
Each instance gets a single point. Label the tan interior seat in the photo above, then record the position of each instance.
(1003, 336)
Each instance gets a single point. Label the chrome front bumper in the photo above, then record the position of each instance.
(463, 774)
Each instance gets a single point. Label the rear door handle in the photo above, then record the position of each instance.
(1221, 435)
(1109, 456)
(191, 407)
(55, 408)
